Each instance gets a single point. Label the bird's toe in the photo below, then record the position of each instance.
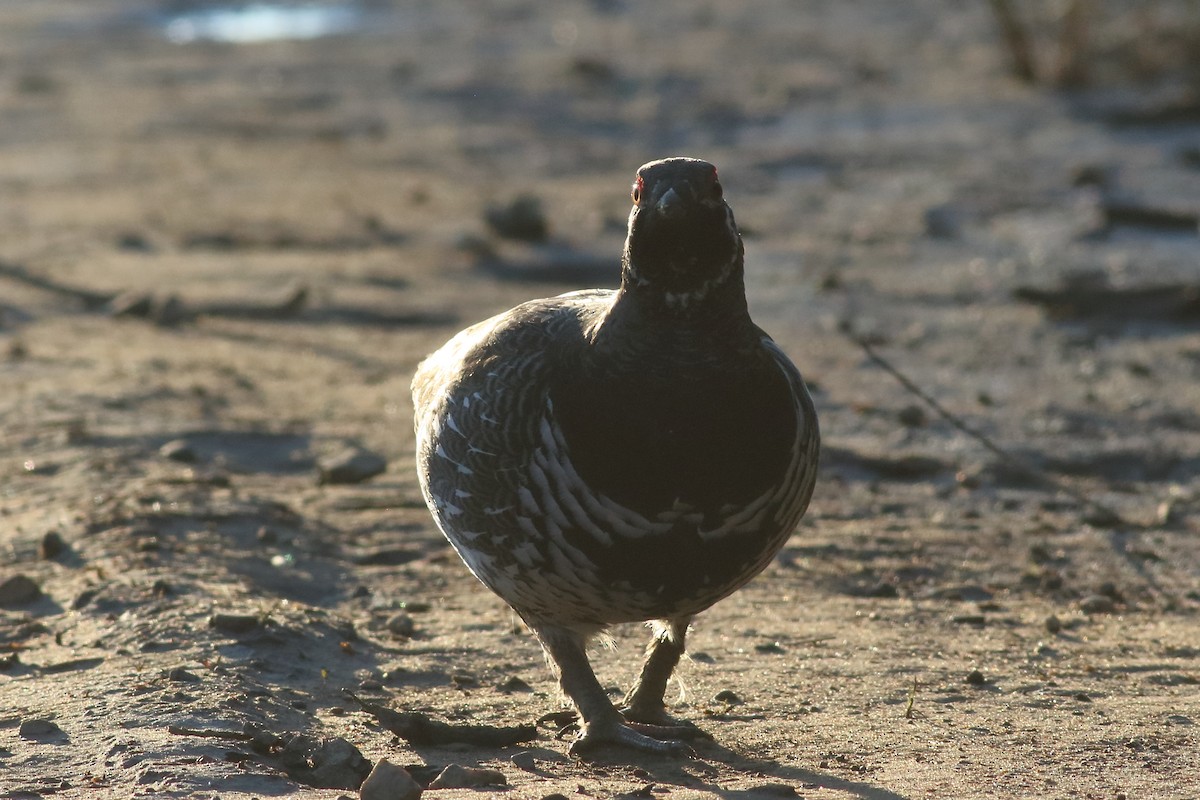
(631, 736)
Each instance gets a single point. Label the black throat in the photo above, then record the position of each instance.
(675, 402)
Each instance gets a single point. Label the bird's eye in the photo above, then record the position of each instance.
(636, 194)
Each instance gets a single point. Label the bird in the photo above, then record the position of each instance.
(622, 455)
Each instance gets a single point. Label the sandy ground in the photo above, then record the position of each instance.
(287, 227)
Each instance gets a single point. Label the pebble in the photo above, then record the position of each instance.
(522, 219)
(401, 624)
(1097, 604)
(943, 221)
(769, 647)
(728, 696)
(514, 684)
(352, 465)
(132, 303)
(883, 589)
(335, 763)
(912, 416)
(456, 776)
(38, 728)
(52, 545)
(180, 450)
(975, 678)
(388, 781)
(524, 760)
(19, 590)
(182, 675)
(1053, 624)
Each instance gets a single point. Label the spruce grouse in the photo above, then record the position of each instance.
(617, 456)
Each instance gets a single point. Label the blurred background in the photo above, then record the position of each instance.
(947, 176)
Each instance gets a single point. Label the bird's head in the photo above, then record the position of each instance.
(683, 242)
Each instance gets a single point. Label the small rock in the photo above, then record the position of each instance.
(969, 619)
(522, 219)
(38, 729)
(1040, 554)
(334, 763)
(180, 450)
(134, 242)
(1097, 604)
(19, 590)
(769, 647)
(456, 776)
(234, 623)
(975, 678)
(168, 311)
(912, 416)
(729, 697)
(524, 760)
(514, 684)
(1053, 624)
(882, 590)
(401, 624)
(132, 303)
(353, 465)
(1095, 175)
(182, 675)
(84, 598)
(51, 546)
(943, 221)
(463, 681)
(774, 790)
(388, 781)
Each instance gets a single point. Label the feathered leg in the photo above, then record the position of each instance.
(602, 723)
(644, 703)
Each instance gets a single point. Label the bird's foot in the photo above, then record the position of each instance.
(650, 719)
(616, 732)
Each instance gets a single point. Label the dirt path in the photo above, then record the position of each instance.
(219, 264)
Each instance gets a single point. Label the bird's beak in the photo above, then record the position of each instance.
(670, 204)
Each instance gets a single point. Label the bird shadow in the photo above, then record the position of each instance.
(709, 754)
(773, 769)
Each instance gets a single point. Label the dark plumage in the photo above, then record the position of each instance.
(618, 456)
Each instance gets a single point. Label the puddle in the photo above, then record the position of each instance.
(261, 22)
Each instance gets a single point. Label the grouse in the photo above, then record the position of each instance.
(628, 455)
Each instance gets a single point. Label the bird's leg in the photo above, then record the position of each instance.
(644, 703)
(602, 723)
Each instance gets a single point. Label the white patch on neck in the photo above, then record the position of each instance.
(681, 300)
